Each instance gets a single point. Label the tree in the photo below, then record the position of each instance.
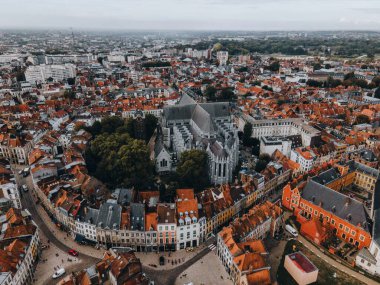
(118, 160)
(150, 122)
(263, 161)
(376, 81)
(210, 93)
(314, 83)
(192, 169)
(71, 81)
(274, 66)
(110, 124)
(255, 146)
(362, 119)
(227, 94)
(247, 133)
(69, 95)
(377, 93)
(136, 164)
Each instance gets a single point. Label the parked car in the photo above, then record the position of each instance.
(26, 171)
(291, 230)
(73, 252)
(24, 188)
(59, 273)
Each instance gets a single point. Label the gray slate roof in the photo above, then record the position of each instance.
(125, 196)
(327, 176)
(92, 216)
(109, 215)
(137, 216)
(186, 100)
(337, 203)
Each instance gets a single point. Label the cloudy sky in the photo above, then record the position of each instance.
(192, 14)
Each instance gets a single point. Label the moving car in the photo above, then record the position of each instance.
(73, 252)
(59, 273)
(291, 230)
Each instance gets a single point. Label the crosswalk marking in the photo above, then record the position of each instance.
(212, 246)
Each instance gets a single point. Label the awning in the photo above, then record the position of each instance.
(79, 238)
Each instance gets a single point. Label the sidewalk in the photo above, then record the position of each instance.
(335, 264)
(67, 239)
(152, 258)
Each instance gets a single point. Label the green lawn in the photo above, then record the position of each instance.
(326, 271)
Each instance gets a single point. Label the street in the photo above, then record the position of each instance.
(46, 269)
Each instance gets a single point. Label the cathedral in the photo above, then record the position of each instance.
(205, 126)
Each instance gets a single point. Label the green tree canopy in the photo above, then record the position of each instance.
(150, 125)
(118, 160)
(227, 94)
(263, 161)
(192, 169)
(247, 133)
(274, 66)
(377, 93)
(362, 119)
(210, 93)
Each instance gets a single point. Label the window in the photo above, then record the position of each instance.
(353, 233)
(340, 226)
(347, 229)
(361, 237)
(332, 221)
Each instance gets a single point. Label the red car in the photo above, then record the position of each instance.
(73, 252)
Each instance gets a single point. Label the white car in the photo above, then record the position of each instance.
(59, 273)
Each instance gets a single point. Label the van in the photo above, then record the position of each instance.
(26, 171)
(291, 230)
(59, 273)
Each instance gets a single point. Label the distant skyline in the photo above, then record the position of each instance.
(250, 15)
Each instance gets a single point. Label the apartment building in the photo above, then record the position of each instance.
(188, 228)
(8, 187)
(166, 226)
(41, 73)
(305, 157)
(283, 127)
(19, 247)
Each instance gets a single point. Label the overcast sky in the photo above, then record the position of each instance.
(192, 14)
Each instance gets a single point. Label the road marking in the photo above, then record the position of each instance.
(212, 246)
